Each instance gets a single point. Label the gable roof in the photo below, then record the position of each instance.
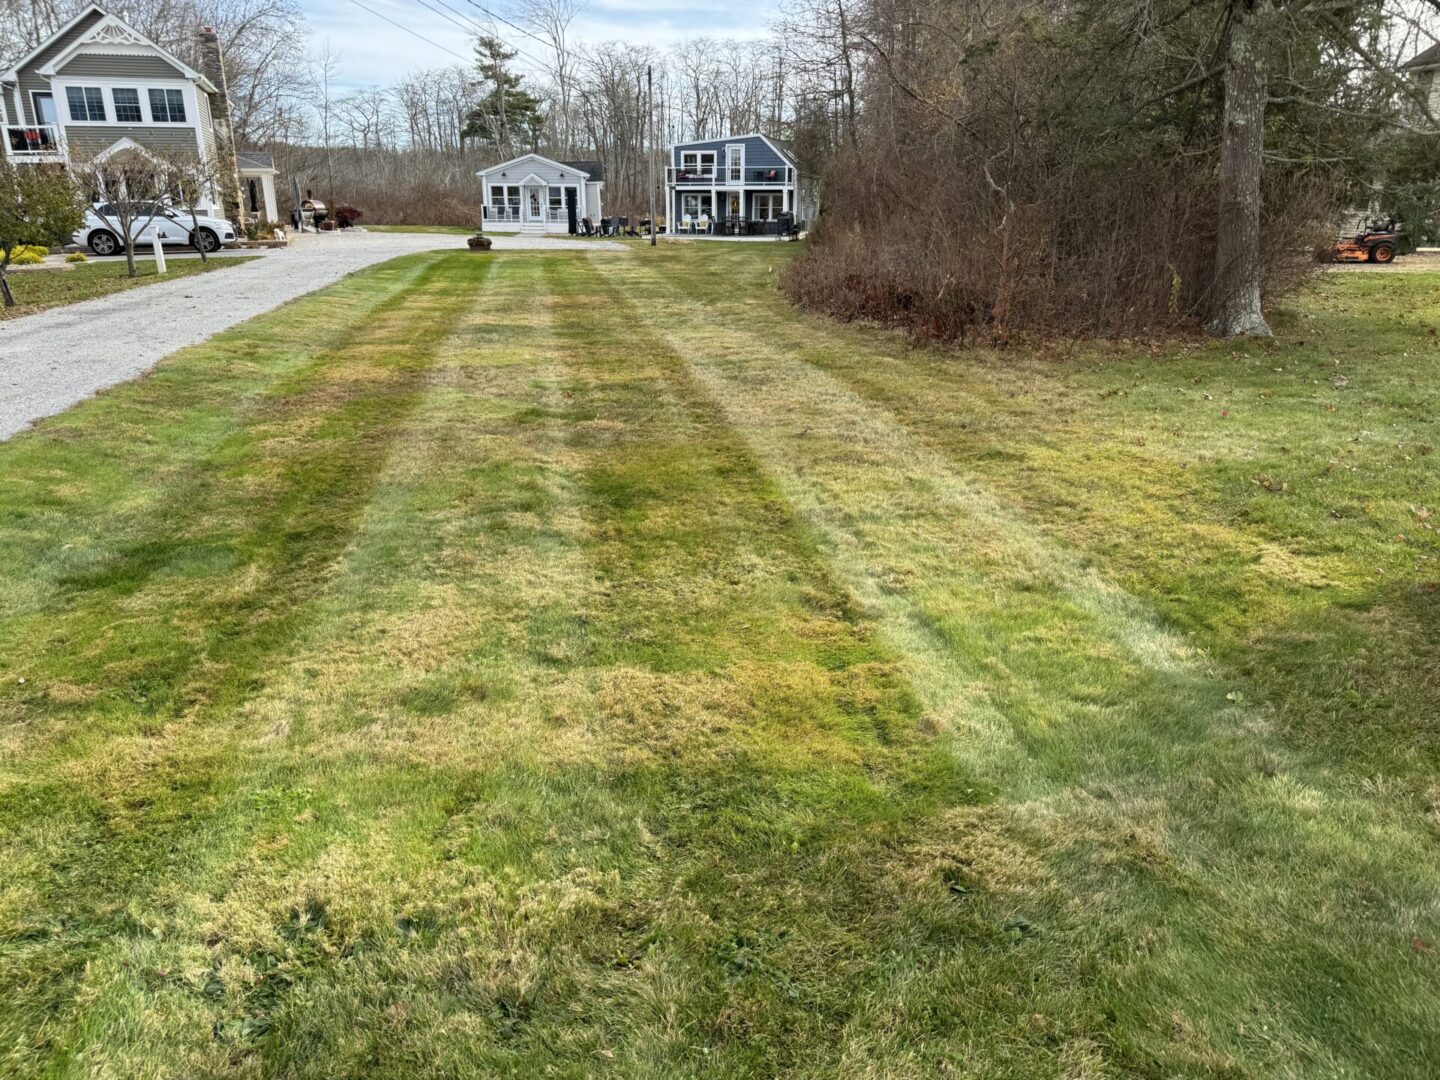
(774, 144)
(117, 36)
(534, 157)
(1427, 59)
(14, 72)
(254, 161)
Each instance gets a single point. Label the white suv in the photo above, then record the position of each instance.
(101, 231)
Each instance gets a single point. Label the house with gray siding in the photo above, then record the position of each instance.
(98, 82)
(740, 185)
(535, 194)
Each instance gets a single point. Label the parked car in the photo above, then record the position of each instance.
(101, 231)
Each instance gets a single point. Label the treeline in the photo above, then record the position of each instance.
(408, 153)
(1031, 166)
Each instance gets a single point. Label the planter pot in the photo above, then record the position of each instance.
(479, 243)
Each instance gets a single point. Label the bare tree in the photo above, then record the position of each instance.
(133, 186)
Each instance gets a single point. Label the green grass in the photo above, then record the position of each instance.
(450, 230)
(40, 289)
(566, 664)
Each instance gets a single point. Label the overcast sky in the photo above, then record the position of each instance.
(376, 53)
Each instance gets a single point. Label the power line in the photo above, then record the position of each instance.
(513, 26)
(412, 33)
(447, 18)
(478, 26)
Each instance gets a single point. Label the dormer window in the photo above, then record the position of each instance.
(127, 106)
(87, 104)
(167, 106)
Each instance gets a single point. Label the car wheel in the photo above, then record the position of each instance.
(1382, 253)
(205, 240)
(104, 243)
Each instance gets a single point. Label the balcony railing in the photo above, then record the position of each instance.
(33, 140)
(706, 176)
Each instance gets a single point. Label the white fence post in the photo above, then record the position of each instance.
(159, 252)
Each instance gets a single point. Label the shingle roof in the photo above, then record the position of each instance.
(596, 169)
(252, 159)
(1429, 58)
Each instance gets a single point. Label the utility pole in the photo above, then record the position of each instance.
(650, 115)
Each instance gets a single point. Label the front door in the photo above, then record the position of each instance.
(535, 204)
(44, 107)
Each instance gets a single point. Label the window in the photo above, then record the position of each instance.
(505, 201)
(768, 205)
(557, 198)
(167, 106)
(735, 162)
(127, 106)
(87, 103)
(696, 203)
(698, 162)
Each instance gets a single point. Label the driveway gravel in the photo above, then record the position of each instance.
(52, 359)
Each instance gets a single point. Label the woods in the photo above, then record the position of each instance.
(1103, 167)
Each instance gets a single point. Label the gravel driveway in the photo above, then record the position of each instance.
(52, 359)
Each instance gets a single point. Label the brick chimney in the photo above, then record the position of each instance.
(212, 66)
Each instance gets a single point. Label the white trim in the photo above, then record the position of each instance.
(14, 73)
(729, 179)
(789, 158)
(538, 157)
(110, 23)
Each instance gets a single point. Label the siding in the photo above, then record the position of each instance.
(758, 154)
(29, 77)
(91, 140)
(95, 66)
(524, 167)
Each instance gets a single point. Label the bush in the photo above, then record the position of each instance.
(346, 216)
(76, 257)
(28, 255)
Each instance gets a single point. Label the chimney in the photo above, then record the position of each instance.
(212, 66)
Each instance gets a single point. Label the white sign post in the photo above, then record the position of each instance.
(159, 252)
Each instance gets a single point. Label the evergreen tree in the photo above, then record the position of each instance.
(508, 114)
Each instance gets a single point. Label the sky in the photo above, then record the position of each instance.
(373, 52)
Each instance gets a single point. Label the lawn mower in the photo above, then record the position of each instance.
(1376, 244)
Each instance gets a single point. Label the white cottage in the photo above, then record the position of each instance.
(533, 193)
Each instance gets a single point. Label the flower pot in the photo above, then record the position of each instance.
(479, 242)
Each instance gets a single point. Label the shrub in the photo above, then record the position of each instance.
(76, 257)
(347, 216)
(28, 255)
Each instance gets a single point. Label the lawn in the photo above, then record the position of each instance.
(581, 663)
(37, 290)
(449, 230)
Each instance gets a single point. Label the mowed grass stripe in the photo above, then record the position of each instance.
(1194, 855)
(133, 766)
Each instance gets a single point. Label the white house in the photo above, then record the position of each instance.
(533, 193)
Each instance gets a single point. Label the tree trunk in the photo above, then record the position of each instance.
(1238, 260)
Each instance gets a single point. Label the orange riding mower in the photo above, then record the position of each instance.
(1376, 244)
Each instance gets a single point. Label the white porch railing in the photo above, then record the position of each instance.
(33, 141)
(709, 176)
(503, 213)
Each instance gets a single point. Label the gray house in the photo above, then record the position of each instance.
(98, 84)
(737, 185)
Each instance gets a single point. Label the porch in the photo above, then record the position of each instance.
(34, 142)
(710, 175)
